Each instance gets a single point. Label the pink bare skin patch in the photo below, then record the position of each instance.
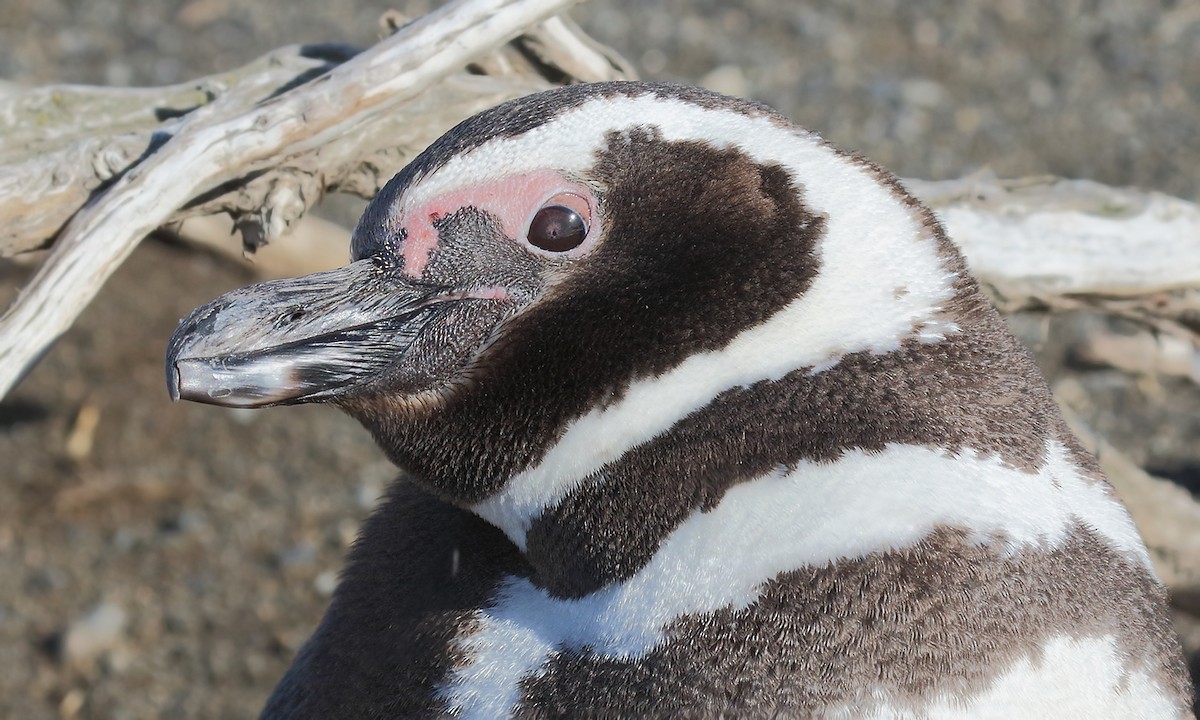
(512, 199)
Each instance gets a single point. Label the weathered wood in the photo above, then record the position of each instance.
(264, 150)
(1046, 236)
(61, 144)
(1048, 243)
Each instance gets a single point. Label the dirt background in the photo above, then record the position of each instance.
(166, 561)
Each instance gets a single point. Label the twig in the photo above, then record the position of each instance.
(1054, 244)
(210, 150)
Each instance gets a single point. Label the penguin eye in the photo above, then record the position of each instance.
(557, 228)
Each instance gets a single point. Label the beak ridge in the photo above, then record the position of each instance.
(296, 340)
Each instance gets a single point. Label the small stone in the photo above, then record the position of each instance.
(368, 494)
(347, 531)
(43, 580)
(373, 479)
(83, 433)
(95, 634)
(1041, 94)
(922, 92)
(728, 80)
(184, 523)
(71, 703)
(200, 583)
(297, 556)
(654, 61)
(118, 73)
(124, 539)
(326, 583)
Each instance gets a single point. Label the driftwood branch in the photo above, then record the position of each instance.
(1053, 244)
(63, 144)
(1048, 242)
(263, 143)
(1044, 236)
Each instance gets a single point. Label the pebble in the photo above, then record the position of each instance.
(326, 582)
(922, 92)
(297, 556)
(373, 480)
(727, 79)
(43, 580)
(95, 634)
(124, 539)
(72, 703)
(181, 524)
(367, 494)
(347, 531)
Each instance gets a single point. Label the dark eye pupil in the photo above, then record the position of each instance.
(557, 229)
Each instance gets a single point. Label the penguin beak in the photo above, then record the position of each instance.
(301, 339)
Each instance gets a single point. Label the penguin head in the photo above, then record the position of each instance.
(543, 258)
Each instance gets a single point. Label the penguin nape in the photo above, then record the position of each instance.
(699, 417)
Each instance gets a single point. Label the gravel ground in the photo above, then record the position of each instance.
(162, 560)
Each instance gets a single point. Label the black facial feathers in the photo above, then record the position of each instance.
(701, 244)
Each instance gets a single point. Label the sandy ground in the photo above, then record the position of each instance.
(162, 560)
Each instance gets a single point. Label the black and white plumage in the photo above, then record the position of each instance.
(751, 443)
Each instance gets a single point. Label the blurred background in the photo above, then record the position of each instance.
(166, 561)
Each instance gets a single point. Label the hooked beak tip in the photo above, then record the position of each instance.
(173, 380)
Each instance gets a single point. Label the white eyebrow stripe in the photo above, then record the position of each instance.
(868, 234)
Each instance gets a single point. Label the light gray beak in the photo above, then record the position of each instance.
(298, 340)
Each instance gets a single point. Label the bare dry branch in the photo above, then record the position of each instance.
(1040, 237)
(1143, 353)
(61, 144)
(263, 145)
(1058, 244)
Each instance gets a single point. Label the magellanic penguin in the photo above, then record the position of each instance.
(699, 417)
